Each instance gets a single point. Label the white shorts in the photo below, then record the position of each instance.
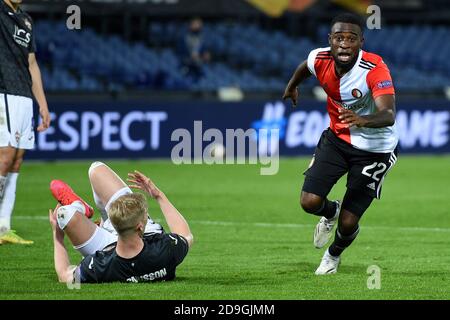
(16, 122)
(99, 240)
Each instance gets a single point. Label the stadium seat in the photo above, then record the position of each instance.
(244, 55)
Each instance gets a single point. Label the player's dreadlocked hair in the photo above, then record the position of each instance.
(349, 18)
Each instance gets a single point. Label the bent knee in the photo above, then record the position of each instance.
(93, 167)
(310, 202)
(348, 222)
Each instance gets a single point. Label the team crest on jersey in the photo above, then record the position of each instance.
(356, 93)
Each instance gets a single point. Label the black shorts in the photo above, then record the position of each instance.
(334, 157)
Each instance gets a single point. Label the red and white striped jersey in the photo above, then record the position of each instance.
(355, 90)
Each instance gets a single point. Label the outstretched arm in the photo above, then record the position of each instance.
(384, 117)
(38, 92)
(301, 73)
(62, 262)
(176, 222)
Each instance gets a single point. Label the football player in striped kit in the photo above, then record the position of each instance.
(361, 140)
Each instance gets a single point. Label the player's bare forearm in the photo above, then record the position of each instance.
(384, 117)
(37, 86)
(380, 119)
(176, 222)
(61, 258)
(301, 73)
(38, 92)
(62, 262)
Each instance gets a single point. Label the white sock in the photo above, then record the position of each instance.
(79, 206)
(98, 202)
(2, 185)
(100, 206)
(8, 200)
(65, 213)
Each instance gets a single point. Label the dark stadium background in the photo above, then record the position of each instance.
(126, 57)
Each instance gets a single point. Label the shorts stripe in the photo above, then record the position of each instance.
(7, 114)
(392, 161)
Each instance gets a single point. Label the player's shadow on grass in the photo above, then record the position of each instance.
(300, 269)
(222, 280)
(309, 267)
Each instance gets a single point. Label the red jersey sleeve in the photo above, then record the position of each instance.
(379, 80)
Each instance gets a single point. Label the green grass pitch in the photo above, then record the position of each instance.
(252, 240)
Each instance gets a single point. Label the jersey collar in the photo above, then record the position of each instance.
(347, 74)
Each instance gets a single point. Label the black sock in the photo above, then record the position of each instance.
(341, 242)
(328, 209)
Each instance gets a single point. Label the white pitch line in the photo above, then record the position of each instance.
(272, 225)
(294, 225)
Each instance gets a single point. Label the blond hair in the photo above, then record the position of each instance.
(127, 211)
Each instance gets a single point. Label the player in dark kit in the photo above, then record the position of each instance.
(128, 246)
(361, 140)
(20, 81)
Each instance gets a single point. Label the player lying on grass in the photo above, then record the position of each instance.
(129, 246)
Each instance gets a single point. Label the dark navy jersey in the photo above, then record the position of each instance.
(157, 261)
(16, 43)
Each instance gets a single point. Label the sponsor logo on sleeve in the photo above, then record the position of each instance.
(384, 84)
